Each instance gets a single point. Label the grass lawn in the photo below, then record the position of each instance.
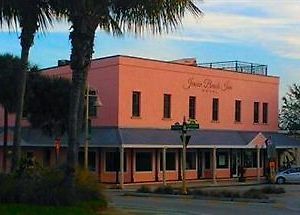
(87, 208)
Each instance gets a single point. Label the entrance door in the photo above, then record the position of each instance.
(235, 162)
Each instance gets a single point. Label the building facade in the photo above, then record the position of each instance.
(235, 106)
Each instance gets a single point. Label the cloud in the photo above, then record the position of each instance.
(273, 24)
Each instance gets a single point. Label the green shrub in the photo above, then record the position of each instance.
(144, 189)
(254, 194)
(164, 190)
(44, 186)
(217, 193)
(272, 190)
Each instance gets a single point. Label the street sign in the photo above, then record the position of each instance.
(176, 126)
(187, 139)
(192, 126)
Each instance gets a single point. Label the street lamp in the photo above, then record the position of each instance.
(186, 125)
(96, 103)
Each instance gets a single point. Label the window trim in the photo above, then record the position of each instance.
(196, 158)
(256, 112)
(133, 104)
(194, 108)
(125, 161)
(146, 171)
(160, 161)
(167, 114)
(227, 162)
(265, 113)
(96, 159)
(215, 110)
(238, 111)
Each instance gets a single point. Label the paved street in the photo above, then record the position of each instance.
(288, 203)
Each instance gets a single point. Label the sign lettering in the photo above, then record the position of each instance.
(208, 85)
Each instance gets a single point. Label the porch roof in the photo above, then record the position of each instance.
(158, 138)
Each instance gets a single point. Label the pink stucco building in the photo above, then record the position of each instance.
(235, 103)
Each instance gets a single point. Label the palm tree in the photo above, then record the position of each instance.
(9, 67)
(30, 16)
(115, 16)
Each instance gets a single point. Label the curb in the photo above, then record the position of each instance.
(199, 197)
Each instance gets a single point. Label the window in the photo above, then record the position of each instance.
(237, 115)
(167, 106)
(136, 100)
(143, 161)
(265, 113)
(192, 107)
(250, 158)
(170, 161)
(256, 112)
(190, 160)
(92, 103)
(112, 161)
(222, 160)
(207, 160)
(215, 109)
(91, 160)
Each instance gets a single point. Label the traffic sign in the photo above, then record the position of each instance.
(187, 139)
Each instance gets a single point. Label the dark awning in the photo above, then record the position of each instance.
(158, 138)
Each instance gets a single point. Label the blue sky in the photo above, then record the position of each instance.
(262, 31)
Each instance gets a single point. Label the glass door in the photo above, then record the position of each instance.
(235, 162)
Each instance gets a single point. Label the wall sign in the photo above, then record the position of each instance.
(208, 85)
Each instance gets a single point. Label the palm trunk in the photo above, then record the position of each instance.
(27, 37)
(5, 134)
(82, 40)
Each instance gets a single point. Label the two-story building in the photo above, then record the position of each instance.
(235, 103)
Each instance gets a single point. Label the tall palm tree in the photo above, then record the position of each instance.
(115, 16)
(29, 16)
(9, 67)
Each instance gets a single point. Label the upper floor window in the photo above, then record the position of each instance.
(192, 107)
(136, 104)
(92, 101)
(256, 112)
(167, 106)
(265, 113)
(237, 115)
(215, 109)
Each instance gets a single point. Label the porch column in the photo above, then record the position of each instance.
(258, 163)
(164, 166)
(121, 167)
(214, 165)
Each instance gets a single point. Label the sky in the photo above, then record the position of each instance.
(259, 31)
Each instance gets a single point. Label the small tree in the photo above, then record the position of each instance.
(47, 103)
(9, 67)
(290, 111)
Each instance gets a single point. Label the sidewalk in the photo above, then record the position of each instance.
(192, 184)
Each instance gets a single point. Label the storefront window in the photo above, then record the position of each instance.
(191, 160)
(170, 161)
(112, 161)
(91, 160)
(222, 160)
(143, 161)
(250, 158)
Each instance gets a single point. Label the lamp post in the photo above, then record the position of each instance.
(97, 103)
(190, 125)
